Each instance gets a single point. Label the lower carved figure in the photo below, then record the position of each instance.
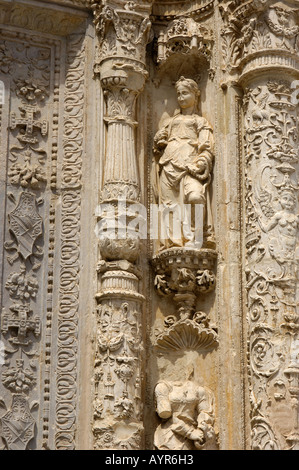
(187, 412)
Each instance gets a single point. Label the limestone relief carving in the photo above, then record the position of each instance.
(184, 276)
(271, 145)
(198, 9)
(187, 413)
(122, 33)
(263, 436)
(34, 68)
(21, 285)
(25, 227)
(18, 424)
(260, 46)
(41, 19)
(95, 350)
(117, 378)
(70, 265)
(27, 175)
(28, 155)
(184, 36)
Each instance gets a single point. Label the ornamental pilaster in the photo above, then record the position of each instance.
(260, 54)
(123, 29)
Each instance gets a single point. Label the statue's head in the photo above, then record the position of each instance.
(188, 93)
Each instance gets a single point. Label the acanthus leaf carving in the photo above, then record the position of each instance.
(70, 265)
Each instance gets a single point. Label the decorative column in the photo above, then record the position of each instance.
(123, 30)
(260, 42)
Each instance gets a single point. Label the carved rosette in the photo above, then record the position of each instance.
(123, 30)
(185, 275)
(260, 43)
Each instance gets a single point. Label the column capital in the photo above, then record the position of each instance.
(260, 36)
(123, 29)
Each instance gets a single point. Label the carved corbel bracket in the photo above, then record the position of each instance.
(185, 275)
(187, 335)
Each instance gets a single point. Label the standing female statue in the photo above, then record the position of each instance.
(184, 150)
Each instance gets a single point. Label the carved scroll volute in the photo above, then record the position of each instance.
(260, 43)
(185, 263)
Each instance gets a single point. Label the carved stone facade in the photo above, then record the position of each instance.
(149, 214)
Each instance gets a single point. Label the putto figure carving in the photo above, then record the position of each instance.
(184, 152)
(187, 411)
(287, 222)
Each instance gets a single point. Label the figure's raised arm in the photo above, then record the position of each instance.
(163, 405)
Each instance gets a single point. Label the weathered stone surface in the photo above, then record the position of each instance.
(149, 222)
